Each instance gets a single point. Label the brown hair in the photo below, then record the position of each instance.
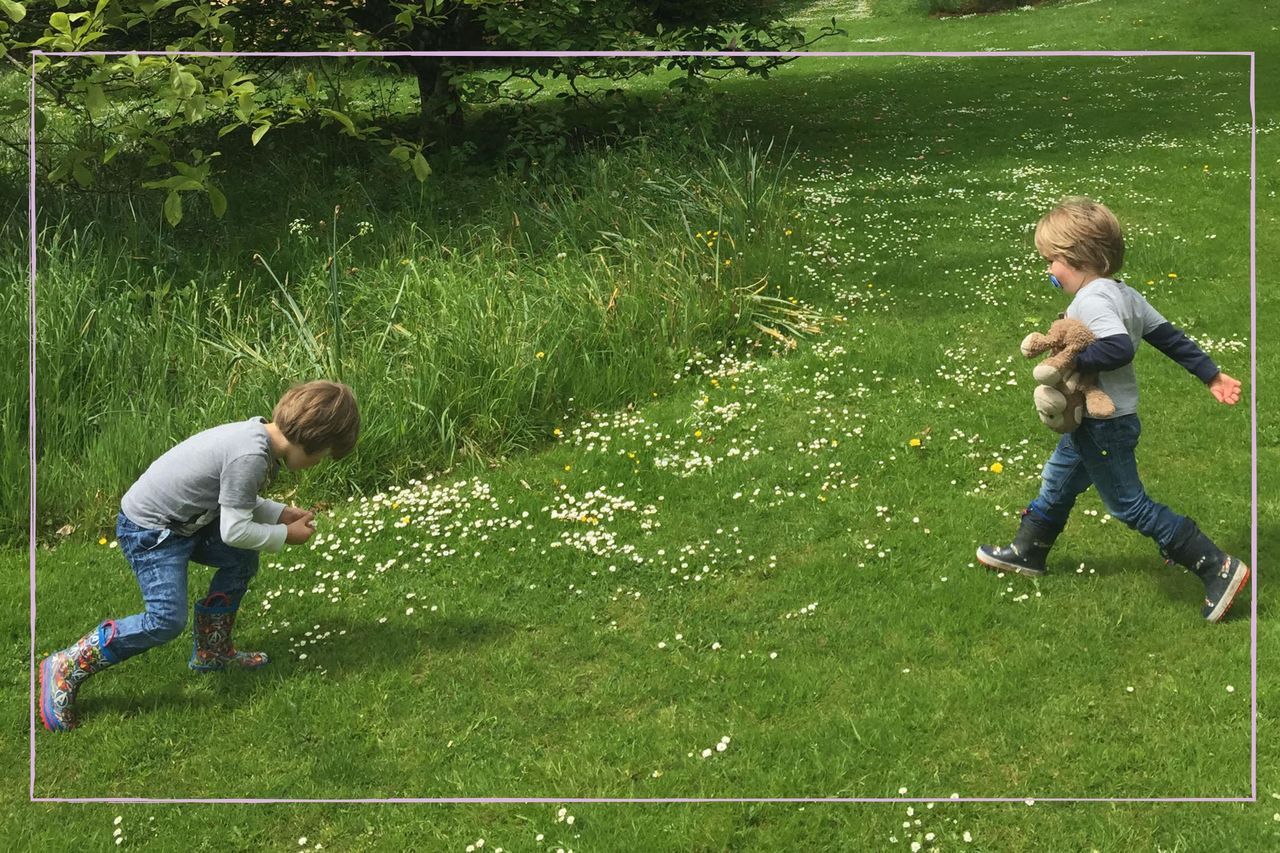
(319, 415)
(1084, 234)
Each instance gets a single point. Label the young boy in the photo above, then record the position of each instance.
(1082, 242)
(199, 502)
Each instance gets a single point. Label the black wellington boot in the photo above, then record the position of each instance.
(1026, 555)
(1223, 575)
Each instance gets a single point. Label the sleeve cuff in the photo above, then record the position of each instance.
(275, 539)
(1206, 370)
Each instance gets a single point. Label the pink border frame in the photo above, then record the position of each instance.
(1253, 401)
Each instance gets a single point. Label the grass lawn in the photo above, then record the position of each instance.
(755, 584)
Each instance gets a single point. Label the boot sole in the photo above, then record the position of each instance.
(1224, 603)
(1001, 566)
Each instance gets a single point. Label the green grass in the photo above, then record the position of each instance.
(540, 674)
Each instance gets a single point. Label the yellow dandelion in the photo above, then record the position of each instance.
(404, 520)
(822, 498)
(1151, 281)
(556, 431)
(996, 467)
(727, 262)
(102, 541)
(915, 442)
(1173, 275)
(697, 433)
(787, 232)
(631, 454)
(539, 354)
(568, 467)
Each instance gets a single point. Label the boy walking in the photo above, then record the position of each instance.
(1082, 242)
(199, 502)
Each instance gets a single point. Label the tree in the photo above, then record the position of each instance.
(151, 107)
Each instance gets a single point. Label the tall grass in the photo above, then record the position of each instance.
(464, 337)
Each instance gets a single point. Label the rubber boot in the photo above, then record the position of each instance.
(62, 673)
(213, 649)
(1223, 576)
(1026, 554)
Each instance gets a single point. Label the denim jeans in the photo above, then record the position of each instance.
(1101, 453)
(159, 559)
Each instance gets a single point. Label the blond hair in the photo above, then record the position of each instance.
(1084, 234)
(319, 415)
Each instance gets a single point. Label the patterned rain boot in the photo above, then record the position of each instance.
(1223, 576)
(213, 648)
(1027, 553)
(62, 673)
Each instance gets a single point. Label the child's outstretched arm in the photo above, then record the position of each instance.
(1174, 343)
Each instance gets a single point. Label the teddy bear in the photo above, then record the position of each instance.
(1064, 395)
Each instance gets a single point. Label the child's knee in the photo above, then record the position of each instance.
(247, 565)
(1134, 511)
(167, 624)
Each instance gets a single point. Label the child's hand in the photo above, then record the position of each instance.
(1226, 389)
(300, 530)
(290, 514)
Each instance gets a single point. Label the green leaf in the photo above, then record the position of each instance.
(175, 183)
(81, 173)
(60, 22)
(217, 201)
(342, 119)
(400, 154)
(420, 167)
(96, 101)
(312, 88)
(260, 131)
(173, 208)
(15, 11)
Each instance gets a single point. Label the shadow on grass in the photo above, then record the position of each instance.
(368, 645)
(365, 647)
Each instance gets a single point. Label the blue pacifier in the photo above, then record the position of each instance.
(1053, 279)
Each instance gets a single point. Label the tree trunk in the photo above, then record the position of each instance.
(441, 118)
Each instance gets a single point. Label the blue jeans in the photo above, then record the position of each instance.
(159, 559)
(1101, 453)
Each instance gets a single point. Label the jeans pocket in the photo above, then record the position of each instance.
(149, 540)
(1117, 435)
